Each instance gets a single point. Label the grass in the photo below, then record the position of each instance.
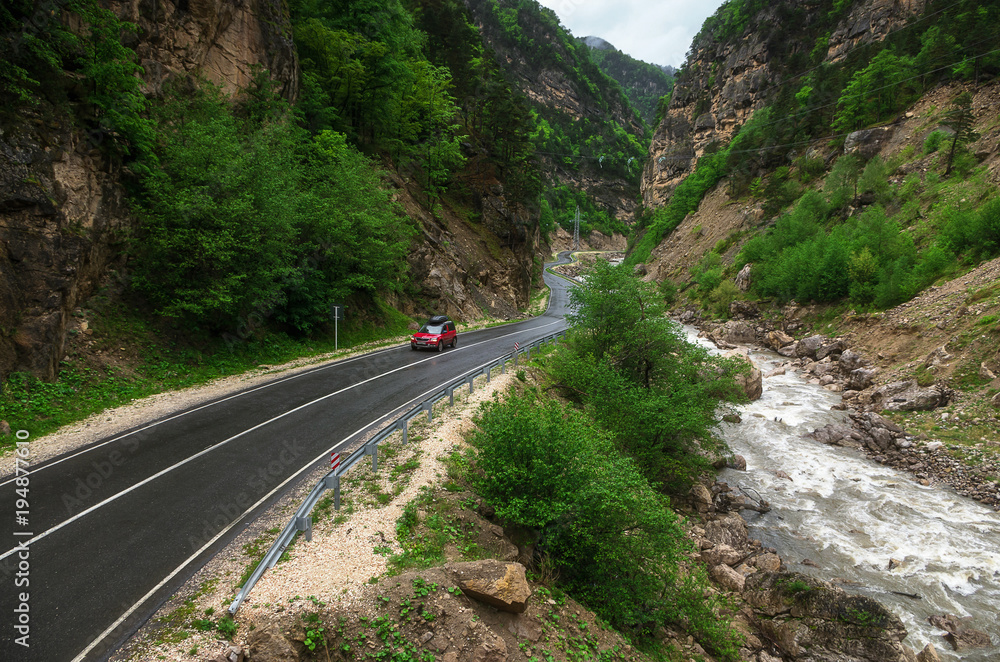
(141, 359)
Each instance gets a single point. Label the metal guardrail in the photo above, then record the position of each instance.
(302, 522)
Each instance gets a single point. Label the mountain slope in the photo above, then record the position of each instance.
(588, 136)
(644, 84)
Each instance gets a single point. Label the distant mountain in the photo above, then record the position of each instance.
(598, 44)
(643, 83)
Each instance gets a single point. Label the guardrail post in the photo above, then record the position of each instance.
(402, 425)
(487, 371)
(429, 406)
(451, 396)
(304, 524)
(503, 367)
(372, 449)
(472, 381)
(333, 483)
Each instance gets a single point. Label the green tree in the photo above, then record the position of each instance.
(962, 122)
(873, 93)
(657, 394)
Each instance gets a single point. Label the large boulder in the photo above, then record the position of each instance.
(909, 396)
(743, 278)
(959, 634)
(743, 310)
(752, 381)
(812, 621)
(861, 378)
(832, 349)
(850, 361)
(503, 585)
(727, 578)
(733, 332)
(778, 339)
(807, 347)
(830, 433)
(729, 530)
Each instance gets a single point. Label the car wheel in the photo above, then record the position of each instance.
(413, 347)
(440, 346)
(454, 342)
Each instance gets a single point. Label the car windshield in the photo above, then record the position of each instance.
(432, 328)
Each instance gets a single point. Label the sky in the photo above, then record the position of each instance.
(656, 31)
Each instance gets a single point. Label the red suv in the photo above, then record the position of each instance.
(438, 332)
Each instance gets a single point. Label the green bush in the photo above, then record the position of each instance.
(933, 141)
(617, 545)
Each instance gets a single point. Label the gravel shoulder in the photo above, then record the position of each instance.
(348, 548)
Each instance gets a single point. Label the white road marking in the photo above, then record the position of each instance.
(234, 437)
(282, 380)
(308, 466)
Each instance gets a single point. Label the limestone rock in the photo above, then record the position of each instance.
(928, 654)
(968, 639)
(743, 310)
(808, 347)
(834, 348)
(861, 378)
(778, 339)
(812, 620)
(269, 644)
(850, 361)
(721, 555)
(768, 562)
(908, 396)
(502, 585)
(830, 433)
(960, 635)
(867, 142)
(730, 530)
(789, 350)
(743, 278)
(701, 495)
(733, 332)
(727, 578)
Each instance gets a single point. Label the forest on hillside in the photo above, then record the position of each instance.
(849, 229)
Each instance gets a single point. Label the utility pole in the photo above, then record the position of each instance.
(576, 230)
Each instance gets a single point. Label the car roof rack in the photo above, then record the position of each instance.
(438, 319)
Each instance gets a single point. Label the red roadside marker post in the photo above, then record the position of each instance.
(333, 480)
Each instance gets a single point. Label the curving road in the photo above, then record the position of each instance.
(116, 527)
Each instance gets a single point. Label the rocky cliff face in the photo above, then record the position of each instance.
(222, 41)
(546, 69)
(464, 268)
(725, 81)
(63, 217)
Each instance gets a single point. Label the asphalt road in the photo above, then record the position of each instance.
(113, 529)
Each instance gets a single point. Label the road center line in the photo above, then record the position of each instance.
(205, 451)
(309, 465)
(282, 380)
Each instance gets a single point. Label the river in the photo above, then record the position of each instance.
(850, 516)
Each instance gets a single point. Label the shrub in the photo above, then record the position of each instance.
(933, 141)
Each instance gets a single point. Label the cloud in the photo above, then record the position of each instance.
(657, 31)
